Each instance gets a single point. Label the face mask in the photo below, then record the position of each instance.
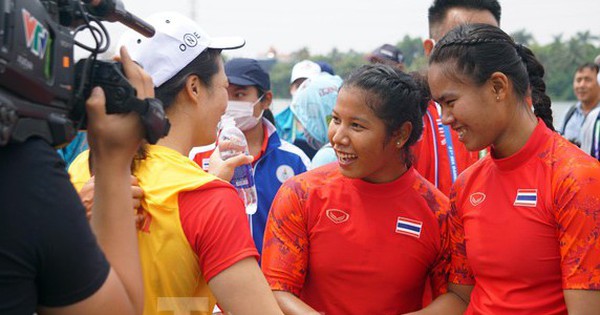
(242, 113)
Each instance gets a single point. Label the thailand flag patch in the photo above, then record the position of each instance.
(409, 227)
(526, 198)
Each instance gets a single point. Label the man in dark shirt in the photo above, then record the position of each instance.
(51, 262)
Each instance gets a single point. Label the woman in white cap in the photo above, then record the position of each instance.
(194, 240)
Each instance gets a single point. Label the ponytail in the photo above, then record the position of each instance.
(535, 70)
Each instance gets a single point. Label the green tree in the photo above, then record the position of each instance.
(301, 54)
(523, 37)
(343, 63)
(280, 79)
(560, 59)
(412, 48)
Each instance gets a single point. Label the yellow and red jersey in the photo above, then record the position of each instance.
(346, 246)
(194, 227)
(526, 227)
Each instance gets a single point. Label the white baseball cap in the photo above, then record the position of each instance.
(304, 69)
(178, 41)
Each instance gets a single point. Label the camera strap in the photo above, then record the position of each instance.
(155, 122)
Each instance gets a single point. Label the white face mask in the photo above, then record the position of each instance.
(243, 114)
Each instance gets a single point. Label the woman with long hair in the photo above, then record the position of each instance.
(525, 220)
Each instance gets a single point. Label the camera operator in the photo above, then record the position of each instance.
(51, 262)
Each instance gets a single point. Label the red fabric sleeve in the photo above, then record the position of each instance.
(578, 217)
(459, 270)
(285, 246)
(215, 224)
(439, 271)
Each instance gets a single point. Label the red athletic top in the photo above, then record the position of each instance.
(216, 226)
(345, 246)
(526, 227)
(431, 152)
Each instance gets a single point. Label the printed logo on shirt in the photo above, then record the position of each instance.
(409, 227)
(337, 216)
(284, 172)
(477, 198)
(526, 198)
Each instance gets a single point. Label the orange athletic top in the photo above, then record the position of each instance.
(526, 227)
(346, 246)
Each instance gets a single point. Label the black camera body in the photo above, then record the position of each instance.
(121, 97)
(41, 88)
(110, 76)
(36, 73)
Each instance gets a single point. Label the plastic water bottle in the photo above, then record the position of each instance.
(243, 177)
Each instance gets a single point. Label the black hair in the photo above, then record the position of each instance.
(421, 79)
(439, 8)
(268, 114)
(588, 65)
(479, 50)
(395, 98)
(205, 66)
(259, 91)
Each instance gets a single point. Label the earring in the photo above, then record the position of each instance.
(398, 143)
(497, 97)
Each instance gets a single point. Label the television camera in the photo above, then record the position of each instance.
(42, 90)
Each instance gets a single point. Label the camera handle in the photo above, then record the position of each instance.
(155, 122)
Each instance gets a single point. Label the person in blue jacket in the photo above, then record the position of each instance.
(275, 160)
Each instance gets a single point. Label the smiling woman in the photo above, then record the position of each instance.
(333, 235)
(370, 130)
(524, 221)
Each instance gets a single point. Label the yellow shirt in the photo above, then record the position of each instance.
(172, 276)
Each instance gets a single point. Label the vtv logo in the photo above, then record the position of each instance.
(36, 35)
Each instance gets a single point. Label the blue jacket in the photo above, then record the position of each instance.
(280, 161)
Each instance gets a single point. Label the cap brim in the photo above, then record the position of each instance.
(240, 81)
(227, 43)
(381, 59)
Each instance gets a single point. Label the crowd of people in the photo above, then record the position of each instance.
(446, 191)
